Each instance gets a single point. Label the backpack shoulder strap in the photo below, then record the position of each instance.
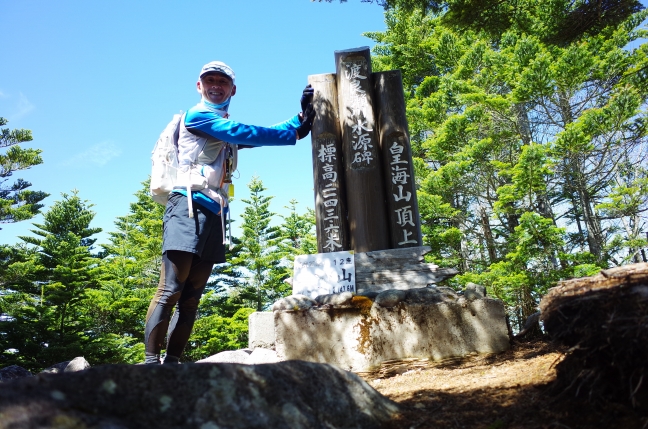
(200, 142)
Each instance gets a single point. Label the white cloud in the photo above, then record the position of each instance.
(23, 107)
(99, 154)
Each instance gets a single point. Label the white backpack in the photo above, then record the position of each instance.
(164, 159)
(165, 168)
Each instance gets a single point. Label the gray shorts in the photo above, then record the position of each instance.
(201, 235)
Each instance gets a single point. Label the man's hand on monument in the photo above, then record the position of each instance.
(306, 118)
(307, 114)
(307, 97)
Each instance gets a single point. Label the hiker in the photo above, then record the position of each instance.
(194, 228)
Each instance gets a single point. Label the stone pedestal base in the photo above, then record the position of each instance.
(261, 332)
(360, 336)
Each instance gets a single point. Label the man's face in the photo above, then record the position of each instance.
(216, 87)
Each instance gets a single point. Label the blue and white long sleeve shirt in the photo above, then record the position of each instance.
(205, 133)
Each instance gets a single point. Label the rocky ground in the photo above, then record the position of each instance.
(506, 391)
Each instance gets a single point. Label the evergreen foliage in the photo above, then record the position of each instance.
(128, 275)
(259, 257)
(530, 157)
(45, 286)
(16, 201)
(213, 334)
(297, 232)
(58, 300)
(554, 21)
(253, 275)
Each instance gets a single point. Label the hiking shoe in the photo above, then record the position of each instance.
(171, 360)
(151, 359)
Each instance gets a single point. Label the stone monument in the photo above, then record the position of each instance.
(367, 212)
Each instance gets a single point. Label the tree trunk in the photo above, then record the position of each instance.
(62, 321)
(524, 128)
(576, 177)
(488, 236)
(592, 222)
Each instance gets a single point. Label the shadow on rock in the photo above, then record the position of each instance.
(292, 394)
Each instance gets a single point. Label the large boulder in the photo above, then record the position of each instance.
(423, 323)
(204, 396)
(77, 364)
(12, 372)
(603, 323)
(474, 291)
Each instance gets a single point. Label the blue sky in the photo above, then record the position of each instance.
(96, 82)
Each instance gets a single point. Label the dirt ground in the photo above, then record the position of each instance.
(506, 391)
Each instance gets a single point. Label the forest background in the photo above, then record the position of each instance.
(528, 130)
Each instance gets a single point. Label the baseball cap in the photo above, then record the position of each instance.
(219, 67)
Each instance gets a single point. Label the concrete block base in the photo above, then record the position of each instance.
(364, 334)
(261, 330)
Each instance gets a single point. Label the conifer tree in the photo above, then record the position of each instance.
(530, 156)
(297, 232)
(556, 21)
(222, 292)
(259, 259)
(48, 322)
(21, 307)
(133, 255)
(128, 274)
(16, 201)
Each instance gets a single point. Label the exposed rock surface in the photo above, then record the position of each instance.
(12, 372)
(390, 298)
(448, 291)
(294, 303)
(425, 323)
(229, 356)
(261, 355)
(261, 330)
(56, 368)
(474, 291)
(603, 321)
(371, 294)
(243, 356)
(208, 396)
(424, 295)
(77, 364)
(343, 298)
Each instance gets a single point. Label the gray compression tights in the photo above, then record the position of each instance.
(182, 281)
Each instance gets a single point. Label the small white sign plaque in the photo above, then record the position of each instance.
(324, 273)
